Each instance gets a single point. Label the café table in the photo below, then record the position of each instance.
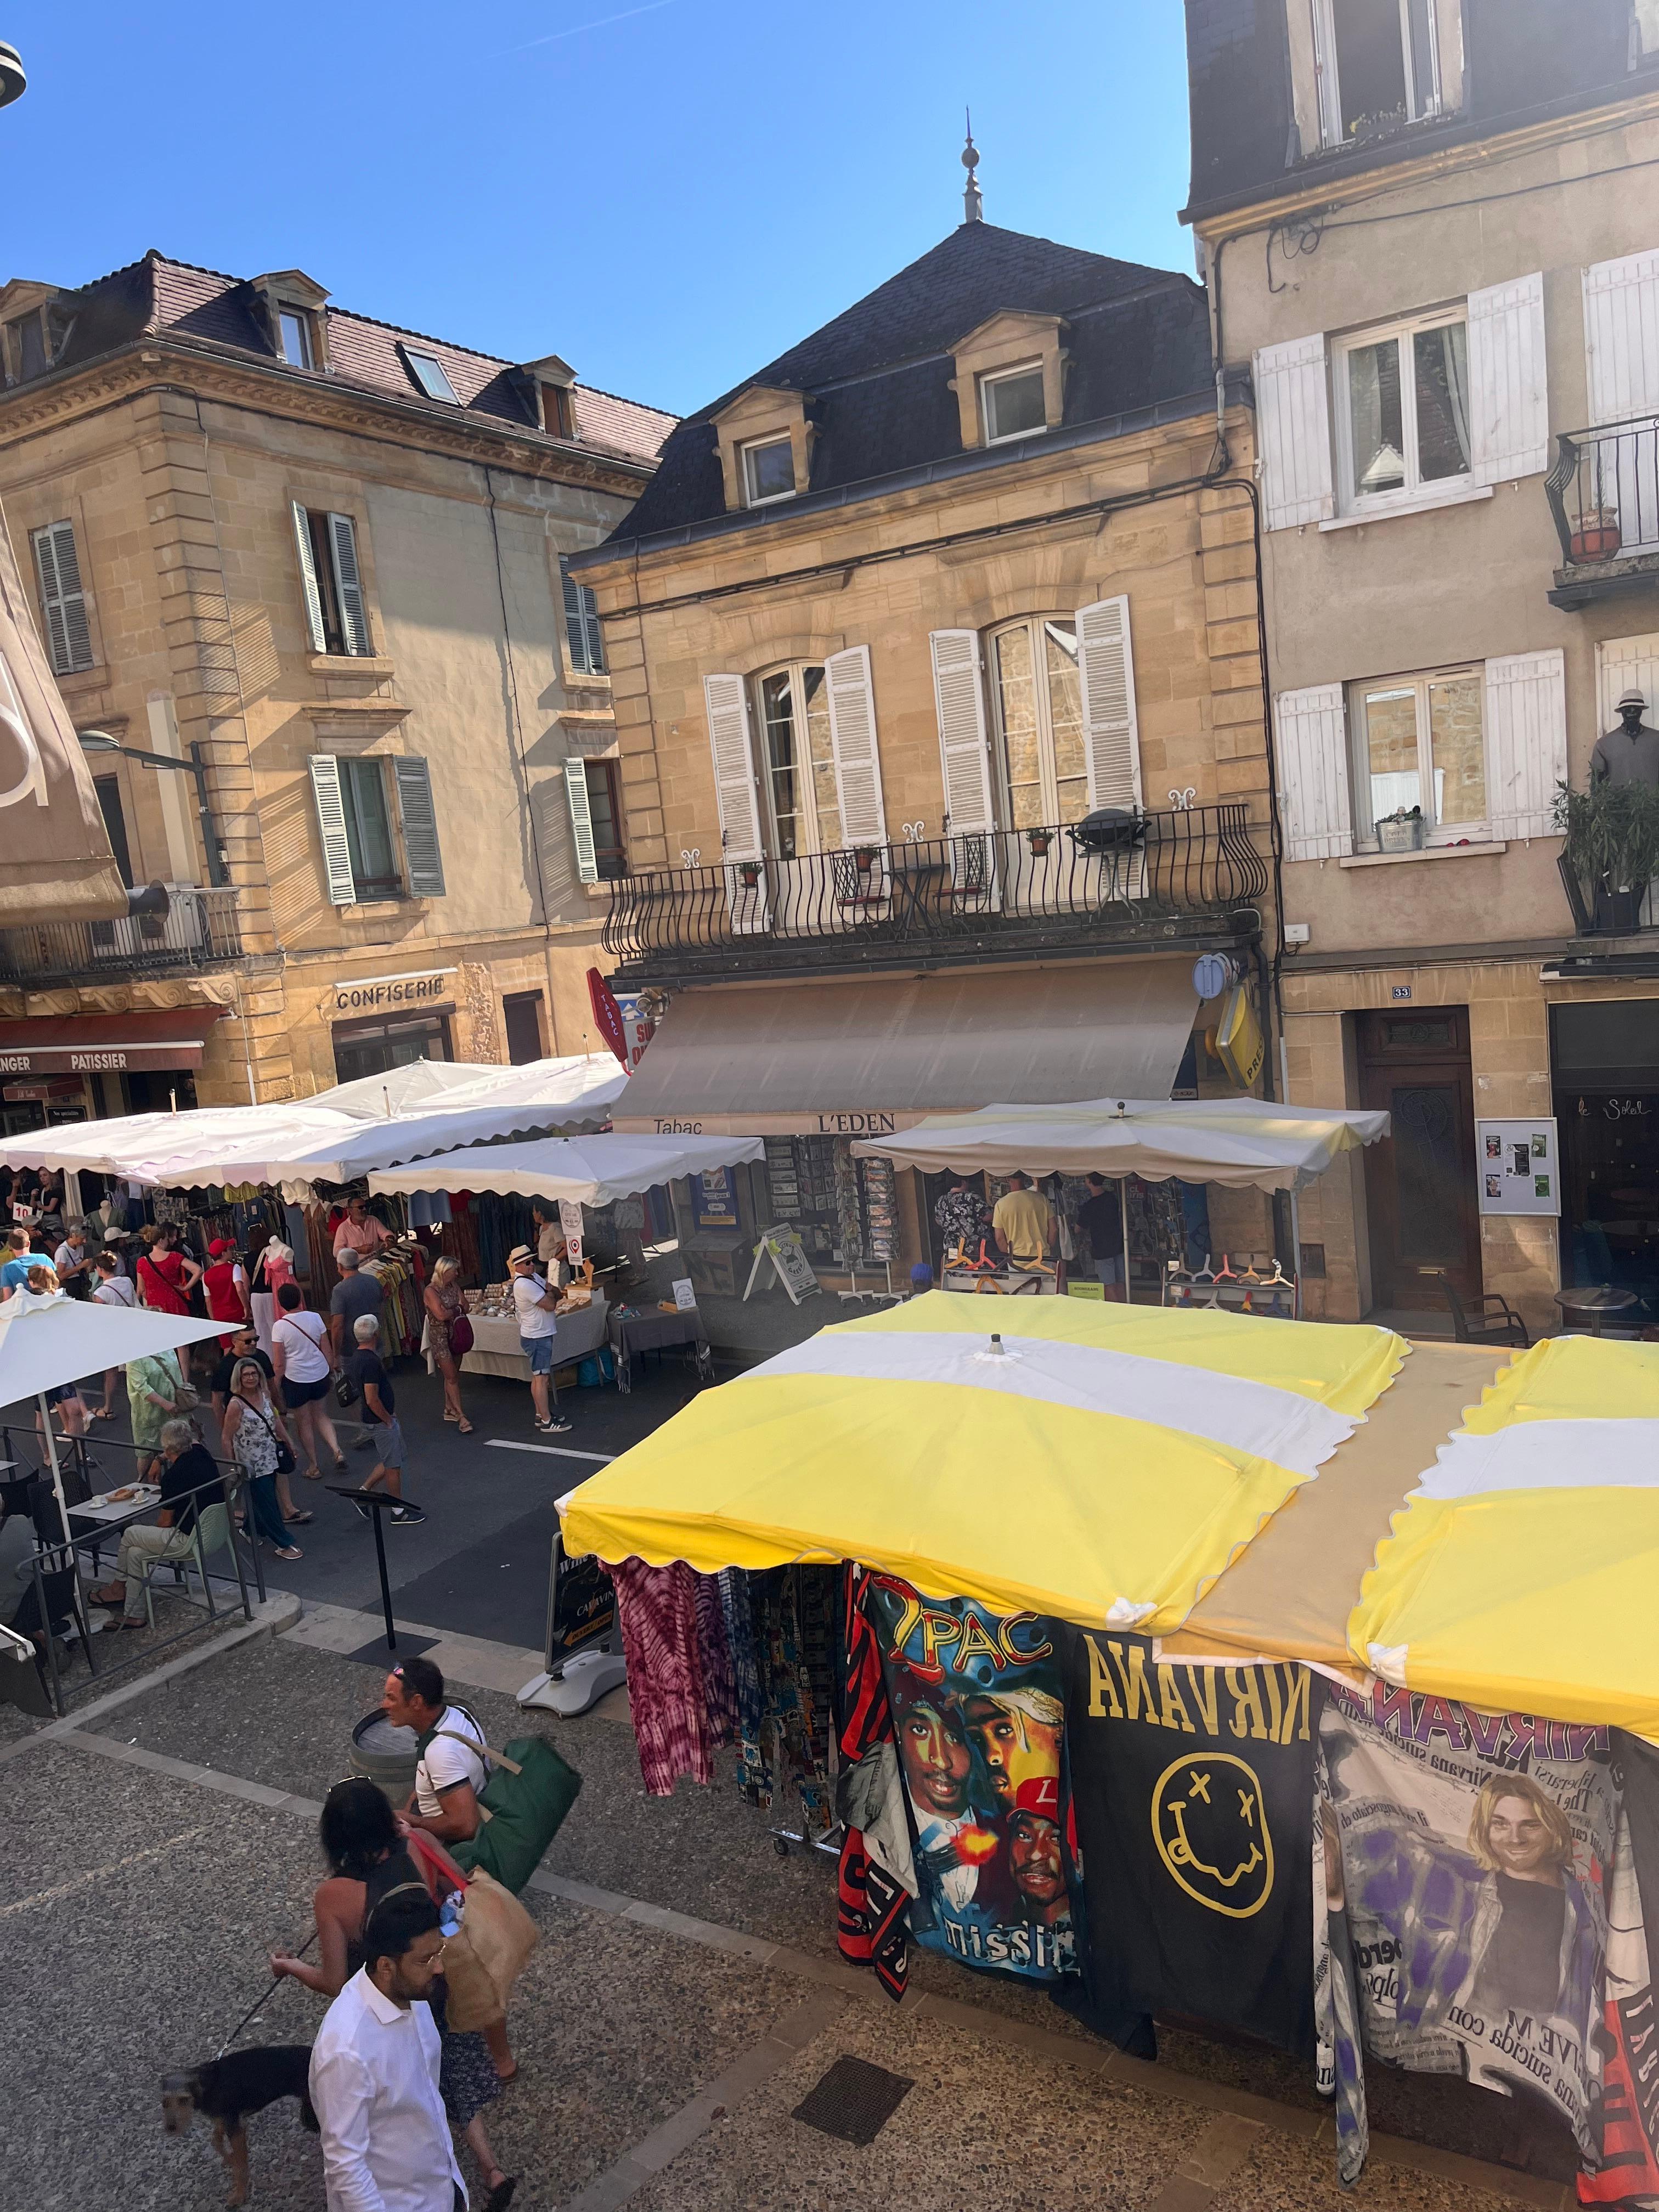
(1597, 1300)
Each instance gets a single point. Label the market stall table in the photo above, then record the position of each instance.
(495, 1341)
(632, 1333)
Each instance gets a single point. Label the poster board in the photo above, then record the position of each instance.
(783, 1246)
(581, 1606)
(1517, 1165)
(570, 1228)
(714, 1199)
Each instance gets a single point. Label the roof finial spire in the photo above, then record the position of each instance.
(973, 206)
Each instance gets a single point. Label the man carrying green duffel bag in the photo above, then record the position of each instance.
(495, 1809)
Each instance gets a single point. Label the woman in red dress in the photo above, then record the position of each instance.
(224, 1284)
(166, 1276)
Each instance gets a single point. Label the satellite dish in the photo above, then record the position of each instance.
(12, 81)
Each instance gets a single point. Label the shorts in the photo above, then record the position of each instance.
(1110, 1271)
(539, 1350)
(388, 1443)
(304, 1393)
(56, 1397)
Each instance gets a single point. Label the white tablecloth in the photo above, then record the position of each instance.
(495, 1342)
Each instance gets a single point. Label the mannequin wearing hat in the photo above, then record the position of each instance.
(1629, 754)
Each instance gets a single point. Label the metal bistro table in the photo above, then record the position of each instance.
(654, 1331)
(1598, 1300)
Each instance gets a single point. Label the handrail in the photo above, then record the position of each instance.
(1603, 491)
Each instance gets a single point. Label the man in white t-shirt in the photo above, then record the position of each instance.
(534, 1302)
(450, 1775)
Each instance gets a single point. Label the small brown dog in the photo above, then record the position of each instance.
(225, 2090)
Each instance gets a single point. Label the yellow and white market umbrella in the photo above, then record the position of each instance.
(1521, 1572)
(1100, 1463)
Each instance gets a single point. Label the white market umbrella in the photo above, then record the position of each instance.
(1242, 1144)
(128, 1144)
(588, 1080)
(593, 1171)
(52, 1339)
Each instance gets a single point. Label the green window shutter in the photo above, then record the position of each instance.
(420, 823)
(63, 600)
(313, 597)
(581, 820)
(331, 825)
(354, 616)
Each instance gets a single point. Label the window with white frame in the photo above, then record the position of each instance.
(799, 755)
(1036, 701)
(1419, 741)
(1402, 410)
(1378, 64)
(769, 471)
(294, 335)
(1011, 401)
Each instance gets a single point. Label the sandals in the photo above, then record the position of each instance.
(297, 1520)
(466, 1428)
(313, 1474)
(288, 1551)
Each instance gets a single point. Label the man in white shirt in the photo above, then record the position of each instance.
(533, 1303)
(450, 1775)
(386, 2145)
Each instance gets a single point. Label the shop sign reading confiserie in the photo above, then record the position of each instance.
(373, 994)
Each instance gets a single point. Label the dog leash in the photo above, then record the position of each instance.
(261, 2000)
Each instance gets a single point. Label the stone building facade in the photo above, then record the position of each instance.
(322, 559)
(1428, 237)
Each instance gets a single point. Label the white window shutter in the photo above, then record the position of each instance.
(853, 736)
(354, 616)
(1312, 773)
(726, 698)
(419, 818)
(1621, 337)
(1526, 742)
(1106, 668)
(730, 741)
(331, 825)
(63, 599)
(1625, 664)
(581, 820)
(1293, 425)
(1509, 393)
(313, 597)
(964, 740)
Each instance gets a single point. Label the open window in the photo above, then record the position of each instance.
(1378, 64)
(331, 582)
(1403, 410)
(1036, 710)
(791, 710)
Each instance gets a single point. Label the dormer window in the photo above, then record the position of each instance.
(1378, 66)
(427, 372)
(557, 418)
(1013, 403)
(293, 336)
(769, 471)
(27, 352)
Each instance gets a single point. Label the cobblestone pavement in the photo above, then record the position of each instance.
(684, 2000)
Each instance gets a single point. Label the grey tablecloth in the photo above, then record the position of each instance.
(656, 1332)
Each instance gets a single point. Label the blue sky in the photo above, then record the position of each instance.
(665, 194)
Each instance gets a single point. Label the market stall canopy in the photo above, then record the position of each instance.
(1520, 1572)
(593, 1171)
(858, 1059)
(1240, 1143)
(1103, 1465)
(131, 1146)
(45, 1341)
(588, 1083)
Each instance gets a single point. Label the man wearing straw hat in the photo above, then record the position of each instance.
(534, 1304)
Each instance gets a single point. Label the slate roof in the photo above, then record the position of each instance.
(156, 295)
(877, 377)
(1523, 60)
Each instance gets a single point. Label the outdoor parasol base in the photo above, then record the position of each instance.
(578, 1685)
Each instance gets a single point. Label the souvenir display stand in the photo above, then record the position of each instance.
(1261, 1583)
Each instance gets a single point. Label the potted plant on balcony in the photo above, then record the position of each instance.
(1039, 840)
(1598, 536)
(749, 874)
(1402, 831)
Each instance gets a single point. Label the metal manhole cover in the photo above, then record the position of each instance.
(853, 2101)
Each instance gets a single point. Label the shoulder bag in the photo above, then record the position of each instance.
(460, 1336)
(483, 1959)
(286, 1463)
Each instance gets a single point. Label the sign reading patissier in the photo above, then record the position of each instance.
(385, 994)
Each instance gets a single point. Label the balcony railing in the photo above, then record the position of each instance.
(199, 930)
(1165, 876)
(1603, 491)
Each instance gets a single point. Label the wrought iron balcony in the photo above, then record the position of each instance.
(1603, 491)
(1169, 879)
(200, 929)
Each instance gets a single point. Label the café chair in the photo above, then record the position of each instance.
(1489, 1319)
(210, 1535)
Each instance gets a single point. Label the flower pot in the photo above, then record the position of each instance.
(749, 874)
(1596, 541)
(1405, 836)
(1039, 842)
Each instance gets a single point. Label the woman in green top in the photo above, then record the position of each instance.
(154, 1383)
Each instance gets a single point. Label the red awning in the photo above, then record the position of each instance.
(95, 1044)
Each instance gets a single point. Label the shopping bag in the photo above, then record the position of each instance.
(486, 1956)
(530, 1789)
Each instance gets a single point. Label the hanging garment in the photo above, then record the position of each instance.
(793, 1630)
(720, 1689)
(878, 1874)
(737, 1607)
(657, 1611)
